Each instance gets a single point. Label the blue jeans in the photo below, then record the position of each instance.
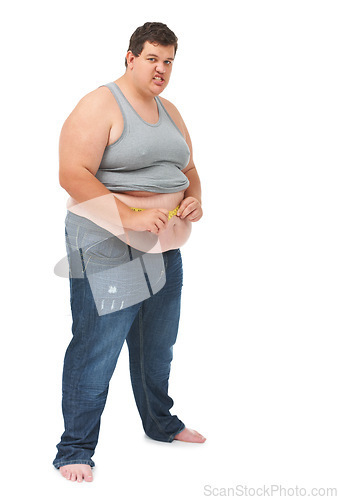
(149, 326)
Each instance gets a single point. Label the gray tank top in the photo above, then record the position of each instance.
(147, 157)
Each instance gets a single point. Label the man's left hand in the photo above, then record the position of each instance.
(190, 209)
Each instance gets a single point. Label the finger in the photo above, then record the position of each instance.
(164, 211)
(185, 203)
(157, 225)
(164, 218)
(194, 216)
(162, 224)
(188, 206)
(183, 206)
(188, 210)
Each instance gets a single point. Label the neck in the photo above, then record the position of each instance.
(130, 89)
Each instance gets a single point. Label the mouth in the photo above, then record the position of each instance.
(158, 79)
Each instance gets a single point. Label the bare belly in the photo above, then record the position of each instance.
(174, 236)
(139, 193)
(145, 199)
(177, 232)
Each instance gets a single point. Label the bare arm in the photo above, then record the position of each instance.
(83, 139)
(191, 206)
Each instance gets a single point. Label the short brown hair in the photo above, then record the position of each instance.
(158, 33)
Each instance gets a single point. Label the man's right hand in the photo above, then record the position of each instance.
(154, 220)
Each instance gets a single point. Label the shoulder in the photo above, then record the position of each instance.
(96, 109)
(172, 110)
(95, 101)
(174, 114)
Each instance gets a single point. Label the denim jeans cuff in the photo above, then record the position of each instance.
(172, 437)
(60, 463)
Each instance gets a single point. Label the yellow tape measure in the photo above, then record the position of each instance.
(171, 212)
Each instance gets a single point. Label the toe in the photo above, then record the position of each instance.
(63, 471)
(77, 472)
(199, 437)
(190, 436)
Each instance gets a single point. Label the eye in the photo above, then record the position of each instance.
(167, 62)
(151, 58)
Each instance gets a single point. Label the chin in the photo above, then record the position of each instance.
(157, 89)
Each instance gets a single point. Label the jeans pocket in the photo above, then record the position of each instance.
(103, 249)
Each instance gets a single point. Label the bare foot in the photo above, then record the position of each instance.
(190, 436)
(77, 472)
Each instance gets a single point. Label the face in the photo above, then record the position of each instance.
(151, 70)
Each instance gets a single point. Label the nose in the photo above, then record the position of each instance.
(160, 67)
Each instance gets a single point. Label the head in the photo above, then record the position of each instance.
(150, 56)
(154, 33)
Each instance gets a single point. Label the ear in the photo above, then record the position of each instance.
(130, 59)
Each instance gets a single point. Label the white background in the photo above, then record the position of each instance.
(255, 365)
